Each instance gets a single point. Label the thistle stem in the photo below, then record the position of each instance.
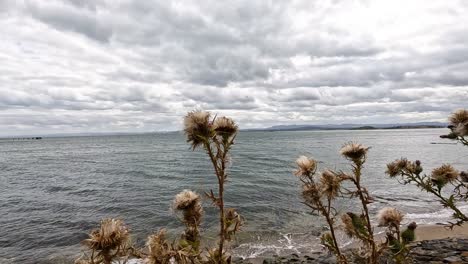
(220, 175)
(357, 182)
(420, 182)
(332, 231)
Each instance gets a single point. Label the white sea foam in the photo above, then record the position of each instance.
(441, 216)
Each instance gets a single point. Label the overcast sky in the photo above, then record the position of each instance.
(115, 65)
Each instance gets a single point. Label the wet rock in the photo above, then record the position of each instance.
(453, 260)
(440, 251)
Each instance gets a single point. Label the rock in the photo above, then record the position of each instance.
(453, 260)
(268, 261)
(440, 251)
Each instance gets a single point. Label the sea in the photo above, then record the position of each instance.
(54, 191)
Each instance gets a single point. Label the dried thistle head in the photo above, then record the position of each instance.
(461, 129)
(398, 166)
(459, 116)
(158, 248)
(459, 122)
(185, 199)
(444, 174)
(111, 235)
(354, 151)
(330, 183)
(225, 127)
(198, 127)
(306, 166)
(311, 193)
(190, 203)
(389, 216)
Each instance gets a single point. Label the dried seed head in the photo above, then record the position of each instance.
(197, 127)
(189, 202)
(158, 248)
(330, 183)
(461, 130)
(459, 116)
(225, 127)
(389, 216)
(185, 199)
(311, 193)
(354, 151)
(444, 174)
(306, 166)
(398, 166)
(459, 122)
(111, 235)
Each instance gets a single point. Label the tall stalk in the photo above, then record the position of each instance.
(364, 201)
(318, 195)
(216, 136)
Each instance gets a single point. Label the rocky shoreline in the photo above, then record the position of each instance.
(438, 251)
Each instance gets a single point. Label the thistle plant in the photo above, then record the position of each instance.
(396, 241)
(216, 136)
(189, 203)
(458, 125)
(108, 242)
(159, 250)
(359, 225)
(318, 193)
(441, 178)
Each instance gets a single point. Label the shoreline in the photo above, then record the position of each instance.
(439, 231)
(436, 235)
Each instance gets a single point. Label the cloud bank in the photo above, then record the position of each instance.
(106, 65)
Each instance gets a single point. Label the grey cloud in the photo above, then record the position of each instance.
(66, 17)
(77, 64)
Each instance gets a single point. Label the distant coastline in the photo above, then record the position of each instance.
(421, 125)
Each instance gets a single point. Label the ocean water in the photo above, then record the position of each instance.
(55, 190)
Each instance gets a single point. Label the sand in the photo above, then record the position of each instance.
(428, 232)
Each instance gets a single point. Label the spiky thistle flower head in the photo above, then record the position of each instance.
(225, 127)
(461, 129)
(112, 234)
(354, 151)
(330, 183)
(459, 116)
(389, 216)
(190, 203)
(311, 193)
(408, 235)
(459, 122)
(444, 174)
(398, 166)
(412, 226)
(306, 166)
(185, 199)
(198, 127)
(158, 248)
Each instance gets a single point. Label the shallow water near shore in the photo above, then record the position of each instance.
(54, 190)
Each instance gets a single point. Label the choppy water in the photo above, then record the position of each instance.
(53, 191)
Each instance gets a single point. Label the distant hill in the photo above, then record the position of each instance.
(353, 126)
